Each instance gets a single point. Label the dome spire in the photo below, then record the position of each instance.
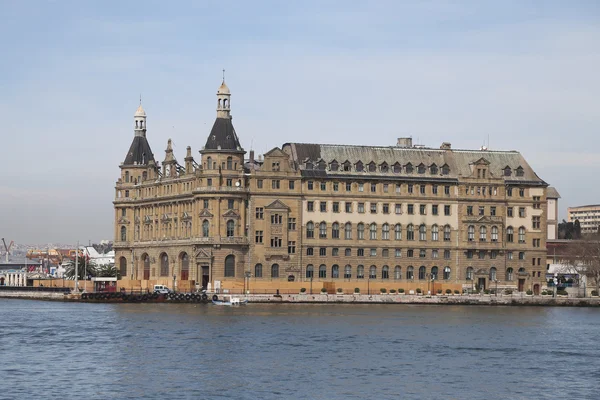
(140, 120)
(223, 100)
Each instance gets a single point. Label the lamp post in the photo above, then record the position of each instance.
(174, 277)
(496, 291)
(555, 281)
(311, 279)
(247, 275)
(369, 284)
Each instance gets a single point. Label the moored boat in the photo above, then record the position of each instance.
(229, 301)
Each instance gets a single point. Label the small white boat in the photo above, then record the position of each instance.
(230, 301)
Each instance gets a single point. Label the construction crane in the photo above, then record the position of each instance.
(7, 248)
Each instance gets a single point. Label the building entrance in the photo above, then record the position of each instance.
(205, 276)
(481, 284)
(521, 285)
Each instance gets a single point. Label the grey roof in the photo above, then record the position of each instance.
(139, 152)
(458, 161)
(552, 193)
(223, 137)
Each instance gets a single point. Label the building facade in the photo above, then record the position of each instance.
(332, 215)
(588, 217)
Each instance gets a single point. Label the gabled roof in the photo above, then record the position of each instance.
(277, 205)
(223, 138)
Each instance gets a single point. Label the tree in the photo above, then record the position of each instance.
(584, 257)
(108, 271)
(83, 270)
(577, 230)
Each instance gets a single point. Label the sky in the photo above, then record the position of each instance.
(514, 75)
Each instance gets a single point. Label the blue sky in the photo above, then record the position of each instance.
(523, 73)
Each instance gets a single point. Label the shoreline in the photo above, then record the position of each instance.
(470, 300)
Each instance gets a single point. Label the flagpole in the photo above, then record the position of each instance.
(77, 268)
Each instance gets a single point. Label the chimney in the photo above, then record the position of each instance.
(251, 156)
(404, 142)
(446, 146)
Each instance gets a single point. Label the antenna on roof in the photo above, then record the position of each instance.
(140, 99)
(223, 74)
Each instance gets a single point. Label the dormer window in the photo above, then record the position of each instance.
(334, 166)
(275, 166)
(445, 169)
(384, 167)
(322, 165)
(421, 169)
(409, 168)
(359, 167)
(372, 167)
(507, 171)
(347, 166)
(433, 169)
(308, 165)
(520, 171)
(397, 168)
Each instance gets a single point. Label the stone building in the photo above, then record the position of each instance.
(332, 215)
(588, 217)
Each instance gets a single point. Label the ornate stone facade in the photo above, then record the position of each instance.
(333, 214)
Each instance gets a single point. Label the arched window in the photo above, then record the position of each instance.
(230, 228)
(230, 266)
(164, 265)
(482, 233)
(398, 232)
(361, 231)
(410, 232)
(322, 230)
(208, 163)
(229, 163)
(469, 275)
(205, 228)
(385, 231)
(494, 233)
(509, 274)
(335, 271)
(275, 271)
(360, 272)
(385, 272)
(471, 233)
(447, 232)
(446, 273)
(422, 272)
(146, 259)
(397, 272)
(310, 230)
(123, 266)
(322, 271)
(373, 231)
(348, 231)
(435, 235)
(373, 272)
(434, 273)
(510, 234)
(422, 232)
(348, 271)
(310, 271)
(410, 272)
(521, 235)
(123, 234)
(335, 230)
(258, 271)
(493, 274)
(185, 266)
(522, 271)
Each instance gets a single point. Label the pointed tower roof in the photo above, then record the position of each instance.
(140, 111)
(169, 157)
(223, 89)
(139, 152)
(222, 136)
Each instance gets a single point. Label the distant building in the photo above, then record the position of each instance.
(588, 216)
(552, 197)
(343, 216)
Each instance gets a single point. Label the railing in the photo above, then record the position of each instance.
(34, 289)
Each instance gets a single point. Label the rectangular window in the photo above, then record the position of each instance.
(323, 186)
(229, 182)
(276, 219)
(434, 209)
(385, 188)
(258, 237)
(335, 252)
(386, 208)
(230, 204)
(481, 211)
(373, 187)
(259, 184)
(509, 255)
(291, 185)
(361, 187)
(521, 212)
(385, 253)
(469, 253)
(310, 251)
(398, 208)
(348, 206)
(434, 253)
(469, 210)
(276, 242)
(398, 186)
(446, 254)
(509, 192)
(291, 224)
(509, 212)
(446, 210)
(348, 252)
(521, 192)
(536, 222)
(447, 190)
(360, 252)
(361, 208)
(422, 209)
(291, 247)
(411, 209)
(537, 242)
(205, 203)
(348, 187)
(373, 252)
(493, 254)
(323, 251)
(336, 206)
(422, 189)
(310, 206)
(521, 255)
(482, 254)
(336, 186)
(373, 208)
(398, 253)
(410, 253)
(275, 184)
(410, 188)
(536, 202)
(493, 211)
(434, 189)
(422, 253)
(310, 185)
(260, 213)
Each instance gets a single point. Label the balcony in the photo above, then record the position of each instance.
(221, 189)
